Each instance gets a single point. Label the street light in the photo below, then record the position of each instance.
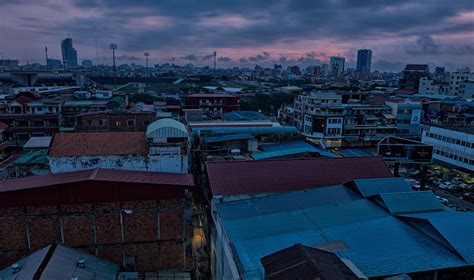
(146, 59)
(113, 47)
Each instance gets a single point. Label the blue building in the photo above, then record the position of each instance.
(364, 61)
(69, 53)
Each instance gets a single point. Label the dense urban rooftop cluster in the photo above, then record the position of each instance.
(183, 172)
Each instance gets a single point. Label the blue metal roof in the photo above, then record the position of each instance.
(243, 116)
(285, 146)
(457, 228)
(229, 137)
(290, 148)
(378, 243)
(354, 153)
(287, 152)
(371, 187)
(411, 202)
(251, 130)
(284, 203)
(458, 102)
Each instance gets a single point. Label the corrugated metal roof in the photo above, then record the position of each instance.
(305, 263)
(244, 115)
(378, 243)
(285, 146)
(36, 157)
(167, 124)
(229, 137)
(251, 130)
(282, 203)
(371, 187)
(281, 175)
(29, 265)
(61, 263)
(411, 202)
(388, 246)
(112, 175)
(38, 142)
(291, 148)
(457, 228)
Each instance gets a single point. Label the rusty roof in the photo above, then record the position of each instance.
(304, 262)
(283, 175)
(102, 175)
(98, 144)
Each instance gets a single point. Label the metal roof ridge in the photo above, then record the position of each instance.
(94, 174)
(296, 159)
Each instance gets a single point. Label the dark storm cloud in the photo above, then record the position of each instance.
(224, 59)
(270, 21)
(194, 57)
(177, 27)
(426, 45)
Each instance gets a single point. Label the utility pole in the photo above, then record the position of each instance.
(215, 60)
(113, 47)
(46, 54)
(146, 59)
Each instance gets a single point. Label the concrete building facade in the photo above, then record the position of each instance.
(164, 147)
(139, 220)
(460, 83)
(453, 147)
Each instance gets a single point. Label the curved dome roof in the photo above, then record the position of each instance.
(165, 123)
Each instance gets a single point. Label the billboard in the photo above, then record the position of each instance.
(405, 150)
(415, 116)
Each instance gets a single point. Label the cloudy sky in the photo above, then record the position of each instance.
(243, 32)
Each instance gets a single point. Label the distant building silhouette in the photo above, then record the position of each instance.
(336, 65)
(53, 63)
(411, 76)
(69, 53)
(364, 61)
(87, 63)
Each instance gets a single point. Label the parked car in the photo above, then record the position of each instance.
(457, 180)
(445, 185)
(435, 181)
(442, 200)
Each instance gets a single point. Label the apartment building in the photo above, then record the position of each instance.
(212, 103)
(461, 83)
(320, 116)
(453, 147)
(324, 118)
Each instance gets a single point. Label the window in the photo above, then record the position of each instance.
(89, 122)
(130, 122)
(146, 122)
(130, 263)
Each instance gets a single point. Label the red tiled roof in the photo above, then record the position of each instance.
(98, 143)
(102, 175)
(282, 175)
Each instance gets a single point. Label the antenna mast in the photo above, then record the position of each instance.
(46, 54)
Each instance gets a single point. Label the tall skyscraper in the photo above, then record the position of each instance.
(69, 53)
(364, 61)
(336, 65)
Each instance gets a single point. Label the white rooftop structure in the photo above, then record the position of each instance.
(38, 143)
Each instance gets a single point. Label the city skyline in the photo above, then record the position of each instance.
(244, 33)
